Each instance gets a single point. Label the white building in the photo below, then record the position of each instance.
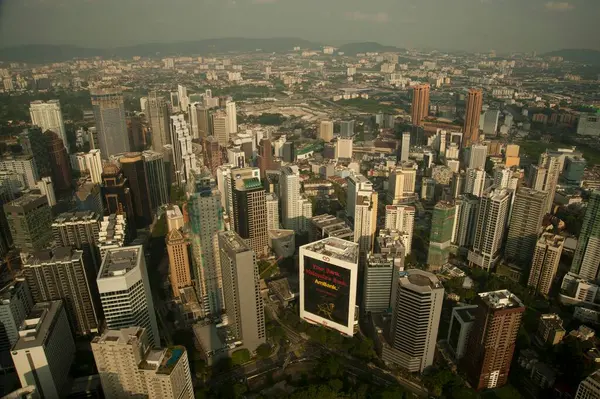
(93, 162)
(272, 211)
(174, 218)
(46, 187)
(356, 183)
(326, 131)
(590, 387)
(23, 165)
(365, 221)
(184, 158)
(475, 182)
(48, 116)
(343, 148)
(231, 111)
(113, 231)
(405, 147)
(401, 184)
(45, 350)
(401, 218)
(125, 291)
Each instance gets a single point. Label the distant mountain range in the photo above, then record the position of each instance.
(366, 47)
(583, 56)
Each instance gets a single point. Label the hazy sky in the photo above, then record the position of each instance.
(503, 25)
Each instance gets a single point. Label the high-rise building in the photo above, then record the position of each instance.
(546, 258)
(15, 304)
(157, 112)
(62, 274)
(590, 387)
(356, 183)
(88, 197)
(461, 324)
(525, 224)
(474, 104)
(293, 204)
(265, 156)
(401, 218)
(221, 128)
(475, 180)
(402, 183)
(80, 230)
(420, 104)
(490, 122)
(241, 290)
(113, 233)
(511, 155)
(442, 225)
(467, 207)
(343, 148)
(46, 187)
(326, 131)
(231, 111)
(136, 132)
(125, 291)
(586, 259)
(477, 156)
(405, 147)
(111, 127)
(379, 272)
(134, 170)
(249, 210)
(201, 115)
(546, 176)
(347, 128)
(184, 159)
(24, 166)
(206, 220)
(328, 281)
(417, 298)
(158, 182)
(33, 142)
(59, 161)
(492, 217)
(365, 220)
(174, 217)
(180, 275)
(93, 162)
(117, 194)
(48, 116)
(45, 350)
(272, 211)
(130, 368)
(428, 189)
(492, 340)
(29, 220)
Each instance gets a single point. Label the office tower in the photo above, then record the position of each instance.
(574, 170)
(365, 220)
(241, 291)
(133, 168)
(221, 128)
(249, 210)
(129, 367)
(15, 304)
(420, 104)
(467, 207)
(136, 133)
(343, 148)
(80, 230)
(326, 131)
(546, 258)
(545, 177)
(490, 122)
(492, 341)
(356, 183)
(378, 274)
(93, 161)
(401, 218)
(109, 113)
(62, 274)
(272, 211)
(428, 189)
(204, 124)
(231, 116)
(48, 116)
(125, 291)
(504, 178)
(477, 156)
(183, 97)
(179, 261)
(29, 220)
(289, 187)
(265, 156)
(590, 387)
(117, 194)
(184, 159)
(156, 175)
(59, 161)
(46, 187)
(474, 104)
(511, 155)
(525, 223)
(461, 324)
(587, 254)
(492, 217)
(289, 152)
(417, 299)
(237, 157)
(475, 180)
(24, 166)
(328, 284)
(157, 113)
(88, 197)
(402, 183)
(347, 128)
(45, 350)
(206, 220)
(33, 142)
(442, 225)
(405, 147)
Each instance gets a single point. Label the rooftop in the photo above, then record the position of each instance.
(419, 280)
(28, 201)
(36, 328)
(465, 313)
(501, 299)
(335, 248)
(234, 241)
(119, 261)
(124, 336)
(75, 217)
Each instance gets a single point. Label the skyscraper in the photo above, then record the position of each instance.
(491, 224)
(15, 304)
(347, 128)
(467, 207)
(33, 142)
(417, 298)
(272, 211)
(405, 147)
(184, 159)
(525, 224)
(79, 230)
(157, 113)
(378, 274)
(201, 115)
(231, 111)
(365, 221)
(249, 210)
(117, 194)
(93, 162)
(420, 104)
(59, 161)
(23, 165)
(180, 275)
(586, 259)
(477, 156)
(29, 220)
(133, 168)
(221, 128)
(545, 262)
(111, 127)
(545, 176)
(590, 387)
(291, 207)
(46, 187)
(48, 116)
(158, 182)
(401, 218)
(442, 224)
(402, 183)
(472, 115)
(475, 180)
(125, 291)
(326, 131)
(62, 274)
(241, 290)
(492, 340)
(490, 122)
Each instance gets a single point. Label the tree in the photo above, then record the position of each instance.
(263, 351)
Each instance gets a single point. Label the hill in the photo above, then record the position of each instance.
(583, 56)
(366, 47)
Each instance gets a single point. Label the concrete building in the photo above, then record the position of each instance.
(29, 220)
(80, 230)
(546, 175)
(347, 128)
(180, 274)
(24, 165)
(490, 122)
(420, 104)
(33, 144)
(525, 223)
(546, 258)
(113, 233)
(590, 387)
(93, 162)
(174, 218)
(416, 309)
(378, 274)
(477, 156)
(125, 291)
(220, 127)
(475, 182)
(59, 161)
(184, 158)
(157, 113)
(130, 368)
(158, 178)
(46, 187)
(241, 291)
(401, 218)
(272, 211)
(15, 304)
(356, 183)
(550, 329)
(474, 103)
(249, 210)
(461, 324)
(117, 195)
(465, 225)
(111, 127)
(326, 131)
(586, 259)
(134, 170)
(343, 148)
(442, 225)
(405, 147)
(289, 188)
(492, 341)
(324, 226)
(48, 116)
(589, 125)
(365, 220)
(428, 189)
(61, 274)
(45, 350)
(231, 116)
(401, 184)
